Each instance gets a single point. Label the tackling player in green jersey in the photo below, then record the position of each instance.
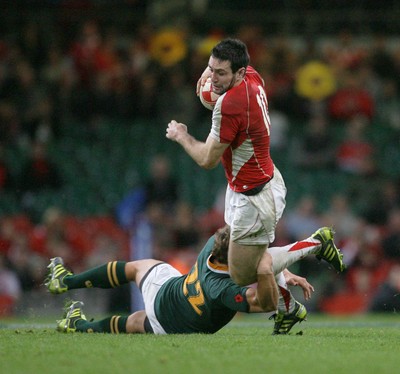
(202, 301)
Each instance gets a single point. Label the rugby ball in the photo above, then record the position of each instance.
(207, 97)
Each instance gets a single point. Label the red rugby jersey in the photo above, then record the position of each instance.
(240, 118)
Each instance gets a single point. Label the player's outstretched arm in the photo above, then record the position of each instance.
(291, 279)
(296, 280)
(205, 154)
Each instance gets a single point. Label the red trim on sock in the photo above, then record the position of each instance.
(300, 245)
(286, 297)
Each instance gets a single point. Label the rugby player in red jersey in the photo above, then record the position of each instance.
(240, 139)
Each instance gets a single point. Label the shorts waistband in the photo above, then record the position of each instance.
(257, 189)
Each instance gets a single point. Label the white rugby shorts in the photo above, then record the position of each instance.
(253, 219)
(157, 276)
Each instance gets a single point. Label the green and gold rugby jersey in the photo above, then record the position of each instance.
(202, 301)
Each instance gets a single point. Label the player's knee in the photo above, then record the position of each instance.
(265, 264)
(135, 323)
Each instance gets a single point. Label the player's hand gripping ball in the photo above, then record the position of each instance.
(207, 97)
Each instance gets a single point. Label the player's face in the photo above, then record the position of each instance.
(222, 78)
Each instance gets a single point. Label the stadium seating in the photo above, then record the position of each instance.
(100, 169)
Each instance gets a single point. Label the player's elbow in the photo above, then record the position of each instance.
(208, 164)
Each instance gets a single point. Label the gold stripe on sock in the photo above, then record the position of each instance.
(114, 273)
(109, 274)
(114, 324)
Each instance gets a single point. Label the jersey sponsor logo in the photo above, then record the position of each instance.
(193, 291)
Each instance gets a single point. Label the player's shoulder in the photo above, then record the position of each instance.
(252, 75)
(233, 100)
(217, 283)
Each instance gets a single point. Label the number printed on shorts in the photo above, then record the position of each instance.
(263, 103)
(194, 293)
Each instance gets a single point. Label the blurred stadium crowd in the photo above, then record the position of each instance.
(335, 110)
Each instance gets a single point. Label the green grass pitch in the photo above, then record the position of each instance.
(356, 344)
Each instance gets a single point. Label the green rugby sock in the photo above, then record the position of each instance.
(111, 325)
(109, 275)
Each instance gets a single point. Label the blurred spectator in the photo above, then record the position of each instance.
(303, 220)
(51, 227)
(185, 230)
(147, 88)
(58, 246)
(388, 105)
(315, 148)
(367, 270)
(351, 245)
(105, 249)
(28, 266)
(161, 186)
(61, 82)
(138, 49)
(381, 60)
(371, 83)
(152, 205)
(391, 241)
(85, 50)
(51, 237)
(213, 218)
(32, 44)
(344, 52)
(279, 136)
(299, 223)
(39, 172)
(340, 216)
(352, 99)
(387, 297)
(396, 59)
(7, 180)
(9, 121)
(32, 103)
(369, 267)
(177, 99)
(10, 288)
(112, 85)
(355, 154)
(277, 63)
(159, 193)
(282, 237)
(55, 67)
(160, 227)
(185, 236)
(386, 197)
(7, 233)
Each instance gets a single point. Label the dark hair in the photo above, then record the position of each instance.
(221, 244)
(232, 50)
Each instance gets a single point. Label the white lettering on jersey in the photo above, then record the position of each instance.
(263, 103)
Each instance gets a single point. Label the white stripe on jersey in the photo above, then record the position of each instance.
(240, 156)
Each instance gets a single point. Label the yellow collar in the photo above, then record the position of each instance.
(217, 268)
